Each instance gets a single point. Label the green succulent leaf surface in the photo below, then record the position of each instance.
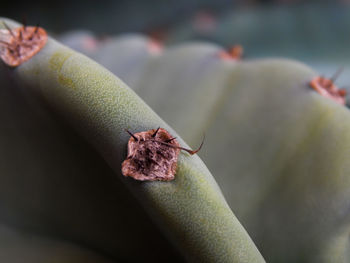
(191, 209)
(16, 246)
(287, 145)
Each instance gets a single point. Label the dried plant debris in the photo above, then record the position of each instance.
(155, 47)
(152, 155)
(327, 89)
(233, 53)
(20, 44)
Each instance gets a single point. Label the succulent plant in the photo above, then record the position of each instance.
(314, 34)
(82, 41)
(278, 151)
(277, 148)
(71, 163)
(17, 246)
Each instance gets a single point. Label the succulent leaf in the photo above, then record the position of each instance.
(191, 209)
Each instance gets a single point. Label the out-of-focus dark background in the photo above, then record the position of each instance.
(315, 32)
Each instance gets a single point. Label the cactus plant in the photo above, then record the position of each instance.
(95, 104)
(278, 149)
(287, 145)
(82, 41)
(53, 184)
(129, 64)
(314, 34)
(16, 246)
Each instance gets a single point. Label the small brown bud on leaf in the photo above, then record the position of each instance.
(327, 89)
(20, 44)
(234, 53)
(152, 156)
(155, 47)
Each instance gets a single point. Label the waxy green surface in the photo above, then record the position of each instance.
(126, 55)
(17, 246)
(54, 185)
(183, 84)
(279, 151)
(289, 150)
(191, 209)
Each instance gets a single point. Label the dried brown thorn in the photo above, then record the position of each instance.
(21, 43)
(34, 32)
(150, 161)
(152, 155)
(132, 135)
(36, 28)
(4, 42)
(9, 29)
(233, 53)
(336, 75)
(181, 148)
(155, 133)
(24, 23)
(326, 88)
(171, 139)
(342, 92)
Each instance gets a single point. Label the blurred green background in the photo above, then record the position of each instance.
(315, 32)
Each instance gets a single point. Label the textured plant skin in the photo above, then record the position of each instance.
(127, 55)
(15, 246)
(287, 145)
(191, 209)
(193, 69)
(53, 184)
(293, 148)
